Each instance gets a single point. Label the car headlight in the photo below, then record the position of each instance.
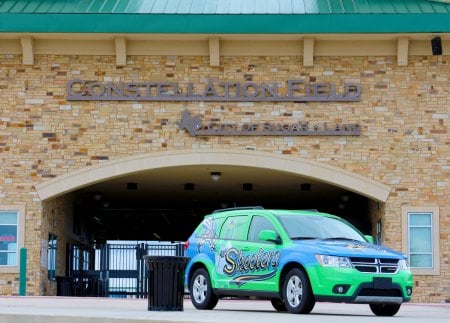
(333, 261)
(403, 264)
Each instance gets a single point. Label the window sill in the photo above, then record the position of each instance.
(9, 269)
(426, 271)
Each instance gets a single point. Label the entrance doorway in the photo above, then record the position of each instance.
(163, 197)
(168, 203)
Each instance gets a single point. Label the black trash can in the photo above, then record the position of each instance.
(64, 286)
(165, 282)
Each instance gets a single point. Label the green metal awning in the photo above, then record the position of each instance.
(225, 16)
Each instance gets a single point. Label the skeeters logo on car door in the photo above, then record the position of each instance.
(243, 268)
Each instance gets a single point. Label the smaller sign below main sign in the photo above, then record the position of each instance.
(195, 127)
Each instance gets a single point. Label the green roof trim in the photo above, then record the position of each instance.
(225, 16)
(224, 24)
(222, 6)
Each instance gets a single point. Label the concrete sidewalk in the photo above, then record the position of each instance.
(102, 310)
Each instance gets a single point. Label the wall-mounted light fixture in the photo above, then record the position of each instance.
(215, 176)
(305, 187)
(131, 186)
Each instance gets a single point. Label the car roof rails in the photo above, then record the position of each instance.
(239, 208)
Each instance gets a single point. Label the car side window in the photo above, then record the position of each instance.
(258, 224)
(233, 228)
(207, 229)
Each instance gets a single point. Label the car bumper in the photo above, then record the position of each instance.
(351, 286)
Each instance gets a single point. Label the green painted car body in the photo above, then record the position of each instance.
(292, 257)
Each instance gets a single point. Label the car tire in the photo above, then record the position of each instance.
(200, 288)
(384, 309)
(278, 304)
(297, 294)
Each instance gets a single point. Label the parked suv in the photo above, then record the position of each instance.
(292, 258)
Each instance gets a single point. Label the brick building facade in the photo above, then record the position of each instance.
(53, 148)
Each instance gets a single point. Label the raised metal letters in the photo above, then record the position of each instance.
(296, 91)
(195, 127)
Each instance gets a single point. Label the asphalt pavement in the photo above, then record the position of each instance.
(16, 309)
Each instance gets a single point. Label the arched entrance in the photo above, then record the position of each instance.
(293, 165)
(163, 196)
(174, 190)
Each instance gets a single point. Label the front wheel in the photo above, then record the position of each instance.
(297, 294)
(384, 309)
(202, 295)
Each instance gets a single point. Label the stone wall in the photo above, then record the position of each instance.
(58, 221)
(403, 115)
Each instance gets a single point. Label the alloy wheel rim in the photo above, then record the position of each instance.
(199, 289)
(294, 291)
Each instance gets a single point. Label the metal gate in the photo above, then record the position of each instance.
(112, 269)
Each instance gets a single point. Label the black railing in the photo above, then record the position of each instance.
(112, 269)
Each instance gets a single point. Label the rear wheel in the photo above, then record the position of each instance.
(384, 309)
(202, 295)
(297, 295)
(278, 304)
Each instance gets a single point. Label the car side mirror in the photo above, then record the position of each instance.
(269, 235)
(369, 238)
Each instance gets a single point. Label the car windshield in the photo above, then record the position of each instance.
(299, 227)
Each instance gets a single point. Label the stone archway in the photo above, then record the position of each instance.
(289, 164)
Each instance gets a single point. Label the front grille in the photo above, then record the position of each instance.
(375, 265)
(366, 269)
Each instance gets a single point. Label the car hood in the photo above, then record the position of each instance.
(349, 248)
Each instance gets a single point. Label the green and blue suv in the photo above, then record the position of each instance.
(294, 259)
